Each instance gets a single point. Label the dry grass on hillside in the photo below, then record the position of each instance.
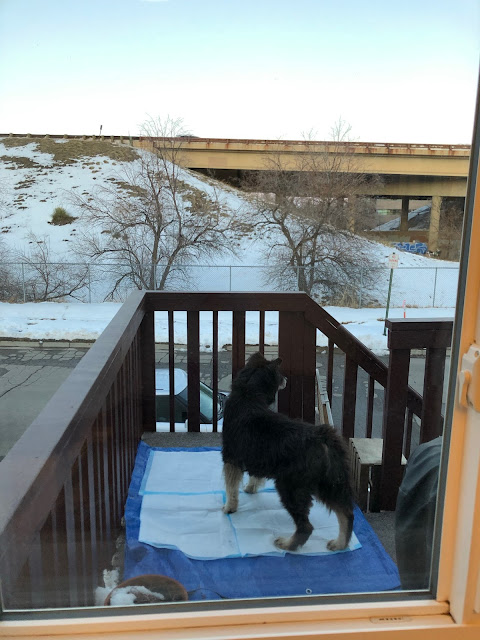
(70, 151)
(20, 162)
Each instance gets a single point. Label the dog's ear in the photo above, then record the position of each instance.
(256, 360)
(277, 362)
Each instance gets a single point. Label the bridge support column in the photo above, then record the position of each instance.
(352, 201)
(404, 218)
(434, 223)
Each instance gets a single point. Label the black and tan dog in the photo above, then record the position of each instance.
(306, 461)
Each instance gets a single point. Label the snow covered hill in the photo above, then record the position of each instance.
(37, 175)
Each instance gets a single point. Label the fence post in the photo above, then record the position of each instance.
(435, 286)
(89, 284)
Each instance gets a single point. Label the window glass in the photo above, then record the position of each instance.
(228, 287)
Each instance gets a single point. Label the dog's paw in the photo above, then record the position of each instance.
(229, 509)
(251, 488)
(336, 545)
(285, 544)
(254, 484)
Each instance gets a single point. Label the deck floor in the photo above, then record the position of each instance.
(382, 523)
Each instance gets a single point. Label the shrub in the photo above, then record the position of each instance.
(61, 217)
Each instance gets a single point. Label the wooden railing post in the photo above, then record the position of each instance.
(349, 398)
(403, 336)
(297, 348)
(432, 423)
(290, 349)
(238, 342)
(147, 331)
(396, 393)
(193, 370)
(309, 370)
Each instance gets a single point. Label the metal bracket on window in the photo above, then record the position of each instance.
(469, 379)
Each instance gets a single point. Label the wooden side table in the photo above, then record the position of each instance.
(365, 468)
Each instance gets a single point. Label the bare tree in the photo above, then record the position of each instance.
(10, 282)
(47, 278)
(151, 220)
(314, 206)
(451, 224)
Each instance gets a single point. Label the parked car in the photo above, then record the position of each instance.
(162, 401)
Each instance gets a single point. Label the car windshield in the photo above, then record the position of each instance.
(206, 403)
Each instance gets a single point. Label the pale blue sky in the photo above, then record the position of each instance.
(402, 71)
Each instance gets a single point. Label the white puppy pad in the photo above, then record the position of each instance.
(185, 472)
(196, 525)
(261, 518)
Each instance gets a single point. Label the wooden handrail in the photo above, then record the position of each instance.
(34, 471)
(240, 301)
(357, 351)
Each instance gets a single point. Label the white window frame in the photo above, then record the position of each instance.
(455, 613)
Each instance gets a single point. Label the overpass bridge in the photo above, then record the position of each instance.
(432, 171)
(408, 169)
(414, 170)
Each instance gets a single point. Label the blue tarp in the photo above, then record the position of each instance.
(369, 568)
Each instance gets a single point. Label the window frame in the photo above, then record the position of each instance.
(455, 610)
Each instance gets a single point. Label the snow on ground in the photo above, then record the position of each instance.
(30, 194)
(77, 321)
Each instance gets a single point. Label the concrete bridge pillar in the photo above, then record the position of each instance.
(352, 201)
(434, 223)
(404, 217)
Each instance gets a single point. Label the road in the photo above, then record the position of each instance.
(30, 376)
(28, 379)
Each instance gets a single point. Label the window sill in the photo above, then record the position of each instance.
(400, 620)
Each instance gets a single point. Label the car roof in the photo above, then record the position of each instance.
(162, 381)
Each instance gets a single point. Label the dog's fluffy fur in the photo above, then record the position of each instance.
(306, 461)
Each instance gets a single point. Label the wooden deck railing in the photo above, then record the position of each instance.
(65, 481)
(435, 337)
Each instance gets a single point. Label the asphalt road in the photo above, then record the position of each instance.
(30, 376)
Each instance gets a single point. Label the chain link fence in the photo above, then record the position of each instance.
(411, 286)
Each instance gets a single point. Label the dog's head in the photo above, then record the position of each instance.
(264, 373)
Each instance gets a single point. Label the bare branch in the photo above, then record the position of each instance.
(48, 280)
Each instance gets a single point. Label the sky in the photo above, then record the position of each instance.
(266, 69)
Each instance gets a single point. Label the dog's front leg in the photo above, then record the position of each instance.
(233, 476)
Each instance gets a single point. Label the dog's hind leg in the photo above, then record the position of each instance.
(345, 526)
(254, 484)
(298, 503)
(233, 476)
